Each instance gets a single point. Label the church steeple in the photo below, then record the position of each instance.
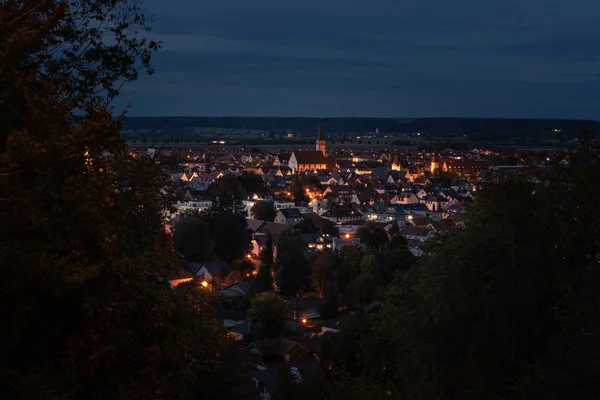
(321, 143)
(396, 164)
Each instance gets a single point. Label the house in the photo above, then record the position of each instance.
(322, 224)
(241, 331)
(405, 198)
(318, 242)
(178, 276)
(282, 159)
(442, 225)
(341, 213)
(417, 233)
(241, 287)
(282, 351)
(193, 205)
(210, 271)
(436, 203)
(229, 317)
(267, 380)
(332, 325)
(344, 242)
(282, 204)
(288, 216)
(305, 307)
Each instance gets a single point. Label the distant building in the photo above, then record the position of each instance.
(301, 161)
(312, 160)
(321, 143)
(288, 216)
(459, 167)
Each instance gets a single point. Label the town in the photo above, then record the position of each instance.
(276, 200)
(313, 234)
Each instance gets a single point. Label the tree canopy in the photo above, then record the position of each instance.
(268, 314)
(264, 210)
(500, 309)
(84, 313)
(192, 239)
(293, 271)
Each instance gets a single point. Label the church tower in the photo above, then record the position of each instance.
(434, 163)
(396, 164)
(321, 144)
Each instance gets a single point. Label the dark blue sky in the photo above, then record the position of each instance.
(379, 58)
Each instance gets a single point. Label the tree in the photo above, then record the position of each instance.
(397, 260)
(520, 279)
(372, 235)
(192, 239)
(268, 315)
(370, 266)
(252, 183)
(52, 47)
(264, 278)
(394, 230)
(263, 281)
(233, 277)
(323, 270)
(230, 234)
(293, 272)
(264, 211)
(172, 161)
(297, 190)
(82, 222)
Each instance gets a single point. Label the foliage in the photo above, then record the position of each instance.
(297, 190)
(238, 186)
(330, 385)
(229, 232)
(82, 222)
(372, 235)
(501, 309)
(233, 277)
(370, 266)
(264, 278)
(59, 48)
(268, 313)
(263, 281)
(323, 270)
(394, 231)
(264, 211)
(192, 239)
(252, 183)
(342, 350)
(293, 272)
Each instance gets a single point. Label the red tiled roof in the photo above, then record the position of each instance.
(310, 157)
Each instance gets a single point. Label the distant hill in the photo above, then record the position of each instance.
(475, 128)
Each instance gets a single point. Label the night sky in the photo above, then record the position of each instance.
(376, 58)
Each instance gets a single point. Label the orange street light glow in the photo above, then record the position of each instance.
(303, 320)
(204, 284)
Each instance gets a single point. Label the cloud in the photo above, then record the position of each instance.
(382, 57)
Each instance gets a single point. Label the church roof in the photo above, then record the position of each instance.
(310, 157)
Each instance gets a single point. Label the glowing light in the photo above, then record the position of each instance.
(204, 284)
(303, 320)
(347, 236)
